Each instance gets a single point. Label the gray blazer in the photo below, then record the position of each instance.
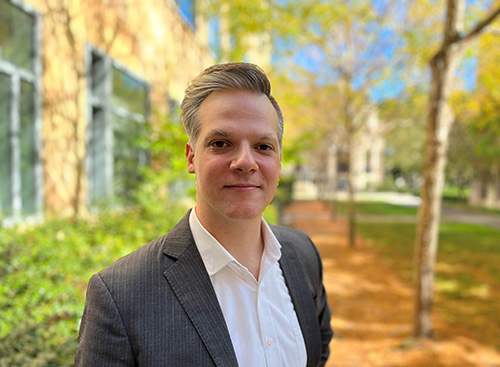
(157, 307)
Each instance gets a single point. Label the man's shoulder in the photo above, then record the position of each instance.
(295, 241)
(298, 248)
(289, 234)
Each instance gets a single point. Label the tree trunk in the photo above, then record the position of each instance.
(440, 120)
(331, 180)
(351, 205)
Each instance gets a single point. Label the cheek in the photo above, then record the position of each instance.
(273, 171)
(211, 169)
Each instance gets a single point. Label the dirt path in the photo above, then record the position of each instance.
(372, 308)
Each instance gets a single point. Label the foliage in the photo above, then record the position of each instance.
(486, 153)
(45, 268)
(477, 113)
(241, 21)
(310, 127)
(460, 165)
(456, 195)
(167, 179)
(406, 137)
(44, 273)
(283, 194)
(25, 347)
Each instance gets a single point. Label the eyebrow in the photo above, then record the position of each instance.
(216, 133)
(269, 137)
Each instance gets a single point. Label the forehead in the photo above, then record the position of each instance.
(245, 108)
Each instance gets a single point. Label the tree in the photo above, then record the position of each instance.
(440, 118)
(405, 136)
(349, 45)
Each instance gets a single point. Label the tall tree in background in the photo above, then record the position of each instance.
(440, 118)
(349, 45)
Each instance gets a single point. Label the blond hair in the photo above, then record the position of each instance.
(238, 76)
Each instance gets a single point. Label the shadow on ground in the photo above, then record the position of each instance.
(372, 307)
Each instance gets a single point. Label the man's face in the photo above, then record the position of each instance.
(237, 160)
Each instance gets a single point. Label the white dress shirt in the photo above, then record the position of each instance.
(259, 314)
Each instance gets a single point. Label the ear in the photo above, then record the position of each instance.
(190, 157)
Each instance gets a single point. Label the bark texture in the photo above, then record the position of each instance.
(440, 120)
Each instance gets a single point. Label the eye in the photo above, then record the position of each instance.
(218, 144)
(265, 147)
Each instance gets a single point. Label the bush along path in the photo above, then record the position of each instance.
(372, 308)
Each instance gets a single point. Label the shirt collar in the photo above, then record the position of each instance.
(216, 257)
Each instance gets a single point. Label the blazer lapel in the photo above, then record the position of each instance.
(302, 300)
(191, 284)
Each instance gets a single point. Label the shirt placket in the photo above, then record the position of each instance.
(267, 328)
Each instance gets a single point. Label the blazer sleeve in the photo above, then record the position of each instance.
(296, 243)
(103, 340)
(323, 313)
(311, 260)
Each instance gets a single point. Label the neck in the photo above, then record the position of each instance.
(241, 238)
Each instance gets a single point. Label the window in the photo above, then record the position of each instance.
(20, 121)
(118, 110)
(187, 9)
(343, 162)
(368, 161)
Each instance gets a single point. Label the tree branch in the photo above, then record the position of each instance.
(481, 25)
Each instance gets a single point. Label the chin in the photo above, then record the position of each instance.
(245, 213)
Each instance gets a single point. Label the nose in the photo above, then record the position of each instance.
(244, 160)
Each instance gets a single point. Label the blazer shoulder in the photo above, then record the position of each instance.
(289, 234)
(295, 241)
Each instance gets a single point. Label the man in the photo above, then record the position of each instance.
(222, 288)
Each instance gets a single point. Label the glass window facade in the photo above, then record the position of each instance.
(16, 36)
(27, 148)
(119, 110)
(20, 141)
(5, 148)
(128, 92)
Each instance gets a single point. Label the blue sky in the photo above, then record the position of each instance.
(310, 59)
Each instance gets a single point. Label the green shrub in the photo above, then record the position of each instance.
(45, 270)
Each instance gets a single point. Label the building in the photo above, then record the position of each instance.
(328, 169)
(78, 81)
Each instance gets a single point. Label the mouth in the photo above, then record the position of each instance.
(242, 187)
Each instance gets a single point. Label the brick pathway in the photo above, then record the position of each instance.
(372, 307)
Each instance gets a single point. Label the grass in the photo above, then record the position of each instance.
(466, 271)
(464, 206)
(376, 208)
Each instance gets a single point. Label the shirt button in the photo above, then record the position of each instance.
(259, 291)
(270, 341)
